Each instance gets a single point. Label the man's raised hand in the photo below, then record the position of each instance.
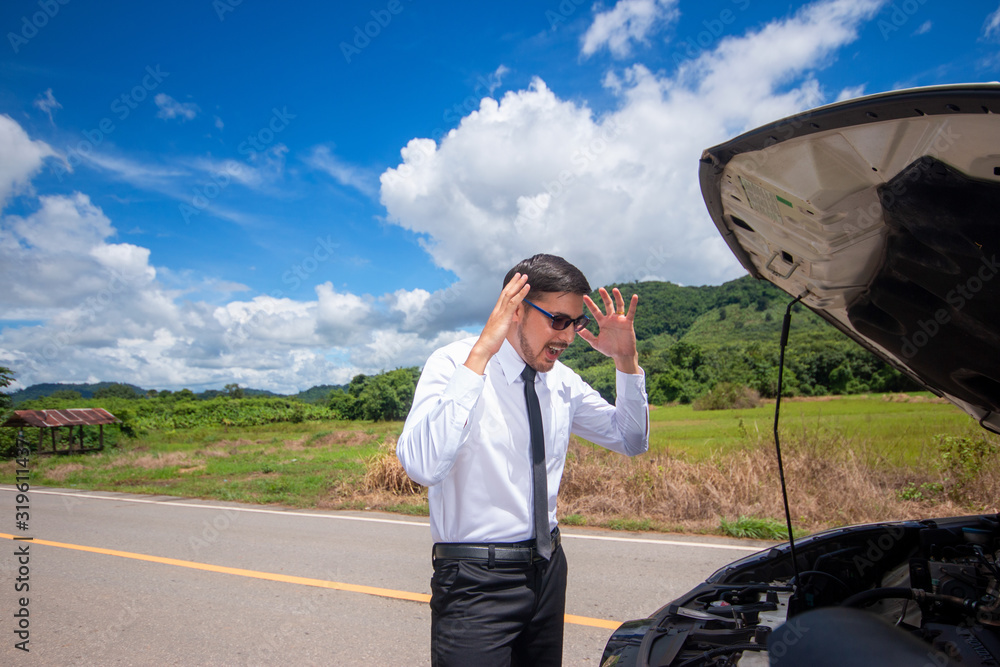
(495, 331)
(616, 335)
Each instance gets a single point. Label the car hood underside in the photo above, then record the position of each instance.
(883, 214)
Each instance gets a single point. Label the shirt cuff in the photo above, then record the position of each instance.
(630, 386)
(465, 387)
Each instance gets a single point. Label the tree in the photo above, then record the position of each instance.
(357, 385)
(116, 390)
(602, 378)
(234, 391)
(343, 405)
(6, 378)
(66, 395)
(388, 396)
(840, 378)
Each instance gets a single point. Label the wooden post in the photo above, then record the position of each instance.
(100, 431)
(54, 429)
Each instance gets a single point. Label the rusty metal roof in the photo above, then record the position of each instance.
(54, 418)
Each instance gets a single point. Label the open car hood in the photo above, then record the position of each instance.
(883, 214)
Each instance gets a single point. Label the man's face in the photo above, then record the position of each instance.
(532, 334)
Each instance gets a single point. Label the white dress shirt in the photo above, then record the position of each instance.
(467, 438)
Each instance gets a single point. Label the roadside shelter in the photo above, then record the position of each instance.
(69, 418)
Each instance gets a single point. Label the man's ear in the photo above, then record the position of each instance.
(518, 312)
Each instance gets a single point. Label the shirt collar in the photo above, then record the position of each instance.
(510, 362)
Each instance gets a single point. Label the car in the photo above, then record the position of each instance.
(882, 215)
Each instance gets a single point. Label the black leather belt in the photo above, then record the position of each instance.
(502, 553)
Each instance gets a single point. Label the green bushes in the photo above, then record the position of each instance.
(756, 528)
(8, 443)
(962, 459)
(727, 396)
(170, 412)
(383, 397)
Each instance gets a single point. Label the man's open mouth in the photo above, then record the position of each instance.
(552, 352)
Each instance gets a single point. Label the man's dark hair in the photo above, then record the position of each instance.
(548, 273)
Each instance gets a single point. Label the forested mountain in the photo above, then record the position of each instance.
(692, 338)
(86, 390)
(317, 395)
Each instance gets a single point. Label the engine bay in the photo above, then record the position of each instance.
(926, 590)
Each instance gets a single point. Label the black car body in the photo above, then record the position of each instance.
(882, 214)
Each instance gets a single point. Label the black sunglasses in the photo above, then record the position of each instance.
(560, 322)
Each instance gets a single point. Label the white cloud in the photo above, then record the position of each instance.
(991, 28)
(47, 102)
(22, 158)
(628, 22)
(924, 28)
(323, 159)
(410, 303)
(63, 225)
(98, 302)
(170, 108)
(341, 318)
(617, 195)
(58, 263)
(393, 349)
(267, 168)
(496, 78)
(851, 93)
(280, 321)
(125, 259)
(140, 174)
(104, 315)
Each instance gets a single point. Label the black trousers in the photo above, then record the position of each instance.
(508, 615)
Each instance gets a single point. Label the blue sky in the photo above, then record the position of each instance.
(198, 193)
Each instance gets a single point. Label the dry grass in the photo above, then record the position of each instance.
(352, 438)
(913, 398)
(296, 445)
(831, 483)
(384, 486)
(384, 472)
(212, 453)
(64, 470)
(152, 461)
(232, 444)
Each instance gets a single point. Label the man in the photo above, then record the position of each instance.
(490, 412)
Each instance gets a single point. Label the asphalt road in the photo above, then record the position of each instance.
(118, 579)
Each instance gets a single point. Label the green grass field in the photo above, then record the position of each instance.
(303, 465)
(323, 464)
(900, 432)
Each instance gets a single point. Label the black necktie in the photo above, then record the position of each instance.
(543, 539)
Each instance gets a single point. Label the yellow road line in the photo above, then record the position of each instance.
(285, 578)
(592, 622)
